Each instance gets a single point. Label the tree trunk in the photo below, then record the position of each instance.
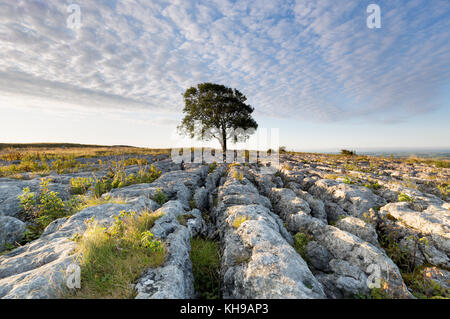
(224, 145)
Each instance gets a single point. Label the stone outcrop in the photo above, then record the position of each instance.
(258, 261)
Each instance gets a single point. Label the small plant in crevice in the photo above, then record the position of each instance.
(160, 197)
(182, 219)
(212, 167)
(406, 259)
(372, 184)
(300, 242)
(423, 286)
(80, 185)
(402, 197)
(348, 180)
(205, 257)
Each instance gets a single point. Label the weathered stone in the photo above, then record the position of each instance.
(359, 228)
(354, 199)
(174, 279)
(11, 231)
(37, 270)
(432, 223)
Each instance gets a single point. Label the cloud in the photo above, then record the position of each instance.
(312, 60)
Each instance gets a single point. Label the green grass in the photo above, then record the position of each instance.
(402, 197)
(160, 197)
(300, 242)
(43, 208)
(424, 287)
(113, 258)
(62, 158)
(117, 178)
(80, 185)
(205, 257)
(372, 184)
(212, 167)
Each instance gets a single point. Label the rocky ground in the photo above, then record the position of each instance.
(315, 227)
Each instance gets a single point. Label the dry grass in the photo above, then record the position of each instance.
(20, 151)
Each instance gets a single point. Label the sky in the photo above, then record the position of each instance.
(311, 69)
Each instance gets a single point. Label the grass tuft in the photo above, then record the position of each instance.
(113, 258)
(205, 257)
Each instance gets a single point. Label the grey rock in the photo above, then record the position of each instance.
(37, 269)
(11, 231)
(359, 228)
(174, 279)
(432, 223)
(259, 263)
(354, 199)
(318, 256)
(201, 198)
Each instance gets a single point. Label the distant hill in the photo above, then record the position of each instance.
(54, 145)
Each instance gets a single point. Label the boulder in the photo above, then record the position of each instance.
(11, 231)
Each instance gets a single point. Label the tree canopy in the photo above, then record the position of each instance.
(216, 111)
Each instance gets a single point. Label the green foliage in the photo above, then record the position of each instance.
(402, 197)
(212, 167)
(348, 180)
(444, 190)
(218, 110)
(117, 178)
(205, 257)
(423, 286)
(43, 208)
(160, 197)
(80, 185)
(348, 153)
(372, 184)
(300, 242)
(442, 164)
(399, 255)
(192, 204)
(113, 258)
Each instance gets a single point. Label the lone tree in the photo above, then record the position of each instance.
(216, 111)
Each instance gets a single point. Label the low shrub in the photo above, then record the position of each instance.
(160, 197)
(43, 208)
(347, 152)
(80, 185)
